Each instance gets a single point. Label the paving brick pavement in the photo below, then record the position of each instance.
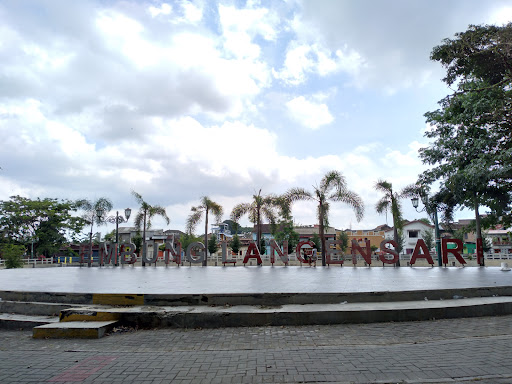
(443, 351)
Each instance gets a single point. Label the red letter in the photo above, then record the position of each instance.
(299, 247)
(282, 254)
(108, 254)
(426, 254)
(454, 252)
(393, 252)
(333, 252)
(127, 249)
(367, 256)
(252, 253)
(171, 251)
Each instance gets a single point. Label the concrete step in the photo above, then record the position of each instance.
(33, 308)
(22, 322)
(220, 299)
(297, 314)
(73, 329)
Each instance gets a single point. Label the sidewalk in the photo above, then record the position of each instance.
(443, 351)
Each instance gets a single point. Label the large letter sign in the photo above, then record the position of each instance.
(253, 253)
(128, 250)
(330, 252)
(299, 248)
(154, 259)
(389, 251)
(426, 254)
(274, 247)
(225, 259)
(367, 256)
(455, 252)
(192, 258)
(171, 253)
(108, 254)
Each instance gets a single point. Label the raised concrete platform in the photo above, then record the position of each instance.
(248, 280)
(249, 296)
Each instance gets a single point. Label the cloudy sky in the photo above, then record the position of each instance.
(181, 99)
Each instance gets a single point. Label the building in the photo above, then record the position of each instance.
(361, 235)
(306, 233)
(412, 232)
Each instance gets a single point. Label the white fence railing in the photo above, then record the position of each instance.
(48, 260)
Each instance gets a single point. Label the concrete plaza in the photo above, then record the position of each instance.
(441, 351)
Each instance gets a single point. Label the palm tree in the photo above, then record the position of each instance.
(333, 187)
(261, 207)
(145, 214)
(391, 202)
(205, 207)
(95, 212)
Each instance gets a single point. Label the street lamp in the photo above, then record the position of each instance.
(431, 209)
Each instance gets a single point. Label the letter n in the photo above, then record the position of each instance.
(274, 247)
(171, 252)
(367, 256)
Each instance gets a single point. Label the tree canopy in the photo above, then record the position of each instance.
(470, 148)
(46, 222)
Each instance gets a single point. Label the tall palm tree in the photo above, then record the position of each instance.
(391, 202)
(333, 187)
(260, 208)
(145, 214)
(94, 212)
(205, 207)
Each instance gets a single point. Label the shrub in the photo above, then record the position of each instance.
(12, 255)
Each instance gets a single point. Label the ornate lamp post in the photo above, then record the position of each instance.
(119, 219)
(431, 209)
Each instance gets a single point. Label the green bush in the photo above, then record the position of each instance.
(12, 255)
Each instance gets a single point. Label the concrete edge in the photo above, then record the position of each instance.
(250, 298)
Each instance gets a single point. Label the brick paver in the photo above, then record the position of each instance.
(459, 350)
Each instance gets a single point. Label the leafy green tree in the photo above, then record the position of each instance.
(333, 187)
(111, 236)
(287, 232)
(235, 244)
(187, 239)
(137, 241)
(470, 149)
(263, 247)
(343, 237)
(12, 253)
(145, 215)
(41, 222)
(316, 240)
(260, 208)
(213, 245)
(428, 238)
(206, 206)
(391, 202)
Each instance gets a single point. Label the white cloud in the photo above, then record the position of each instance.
(308, 113)
(164, 9)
